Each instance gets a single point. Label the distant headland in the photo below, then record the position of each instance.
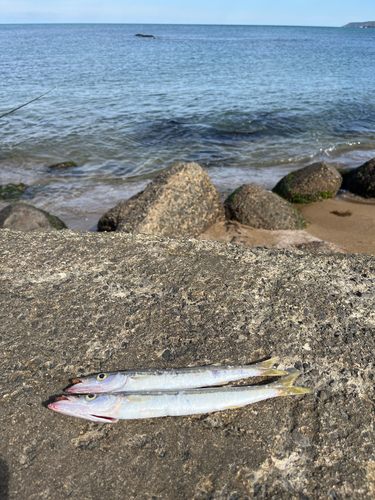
(368, 24)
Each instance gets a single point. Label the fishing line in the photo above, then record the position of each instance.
(22, 105)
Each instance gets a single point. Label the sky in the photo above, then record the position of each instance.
(264, 12)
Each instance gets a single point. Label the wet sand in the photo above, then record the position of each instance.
(347, 224)
(239, 234)
(352, 227)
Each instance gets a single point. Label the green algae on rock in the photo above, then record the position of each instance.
(12, 191)
(24, 217)
(318, 181)
(63, 165)
(257, 207)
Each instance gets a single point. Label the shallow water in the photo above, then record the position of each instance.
(249, 103)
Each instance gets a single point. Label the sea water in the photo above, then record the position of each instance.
(248, 103)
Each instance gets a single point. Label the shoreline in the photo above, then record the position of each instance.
(353, 233)
(344, 224)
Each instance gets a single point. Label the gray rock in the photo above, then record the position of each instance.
(181, 201)
(76, 303)
(312, 183)
(23, 217)
(257, 207)
(360, 180)
(63, 166)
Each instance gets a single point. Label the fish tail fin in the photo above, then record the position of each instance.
(285, 385)
(266, 367)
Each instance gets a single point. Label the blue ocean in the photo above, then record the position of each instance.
(248, 103)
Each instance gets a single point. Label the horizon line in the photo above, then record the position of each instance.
(180, 24)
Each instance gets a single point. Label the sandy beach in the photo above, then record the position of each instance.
(347, 222)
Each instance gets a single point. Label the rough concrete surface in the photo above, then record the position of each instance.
(79, 303)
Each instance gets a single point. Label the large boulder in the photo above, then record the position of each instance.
(255, 206)
(23, 217)
(360, 180)
(82, 303)
(181, 201)
(312, 183)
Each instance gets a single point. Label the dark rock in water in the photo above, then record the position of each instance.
(12, 191)
(145, 36)
(360, 180)
(23, 217)
(63, 165)
(181, 201)
(312, 183)
(74, 304)
(318, 247)
(255, 206)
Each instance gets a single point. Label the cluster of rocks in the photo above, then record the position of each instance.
(182, 202)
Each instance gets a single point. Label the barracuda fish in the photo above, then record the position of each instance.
(110, 408)
(170, 379)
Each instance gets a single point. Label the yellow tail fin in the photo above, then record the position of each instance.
(266, 367)
(285, 385)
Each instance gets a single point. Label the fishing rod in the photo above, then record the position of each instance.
(22, 105)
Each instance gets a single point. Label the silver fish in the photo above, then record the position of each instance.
(110, 408)
(170, 379)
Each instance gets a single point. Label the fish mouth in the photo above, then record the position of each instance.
(109, 419)
(55, 406)
(73, 388)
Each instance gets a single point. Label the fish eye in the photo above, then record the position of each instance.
(90, 397)
(101, 376)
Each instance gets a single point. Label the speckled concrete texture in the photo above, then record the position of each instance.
(79, 303)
